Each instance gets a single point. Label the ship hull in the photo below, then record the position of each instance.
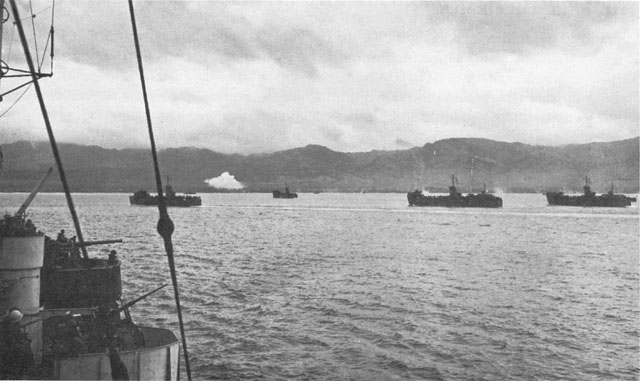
(484, 200)
(606, 200)
(278, 194)
(184, 202)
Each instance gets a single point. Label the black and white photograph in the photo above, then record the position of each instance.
(319, 190)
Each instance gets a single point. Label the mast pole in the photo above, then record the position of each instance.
(165, 225)
(471, 175)
(2, 12)
(45, 116)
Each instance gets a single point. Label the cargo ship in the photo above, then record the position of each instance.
(285, 194)
(455, 199)
(589, 198)
(143, 198)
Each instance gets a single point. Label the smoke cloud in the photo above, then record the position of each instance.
(224, 181)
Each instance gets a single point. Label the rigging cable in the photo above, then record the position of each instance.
(50, 37)
(165, 225)
(13, 30)
(16, 101)
(46, 45)
(45, 116)
(53, 11)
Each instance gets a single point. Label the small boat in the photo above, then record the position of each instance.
(285, 194)
(143, 198)
(589, 198)
(455, 199)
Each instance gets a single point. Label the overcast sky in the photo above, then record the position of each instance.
(248, 77)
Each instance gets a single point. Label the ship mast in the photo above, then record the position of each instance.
(3, 10)
(35, 76)
(471, 174)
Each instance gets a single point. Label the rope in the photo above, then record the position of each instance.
(16, 101)
(13, 30)
(44, 51)
(50, 37)
(165, 225)
(32, 16)
(45, 116)
(53, 11)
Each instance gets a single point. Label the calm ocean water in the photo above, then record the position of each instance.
(363, 287)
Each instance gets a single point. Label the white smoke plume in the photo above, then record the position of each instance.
(224, 181)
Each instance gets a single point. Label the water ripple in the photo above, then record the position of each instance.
(362, 287)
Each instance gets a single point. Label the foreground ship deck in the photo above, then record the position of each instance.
(156, 360)
(64, 317)
(67, 320)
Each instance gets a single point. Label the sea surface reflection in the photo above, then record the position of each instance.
(363, 287)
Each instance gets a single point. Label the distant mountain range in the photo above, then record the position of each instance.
(508, 167)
